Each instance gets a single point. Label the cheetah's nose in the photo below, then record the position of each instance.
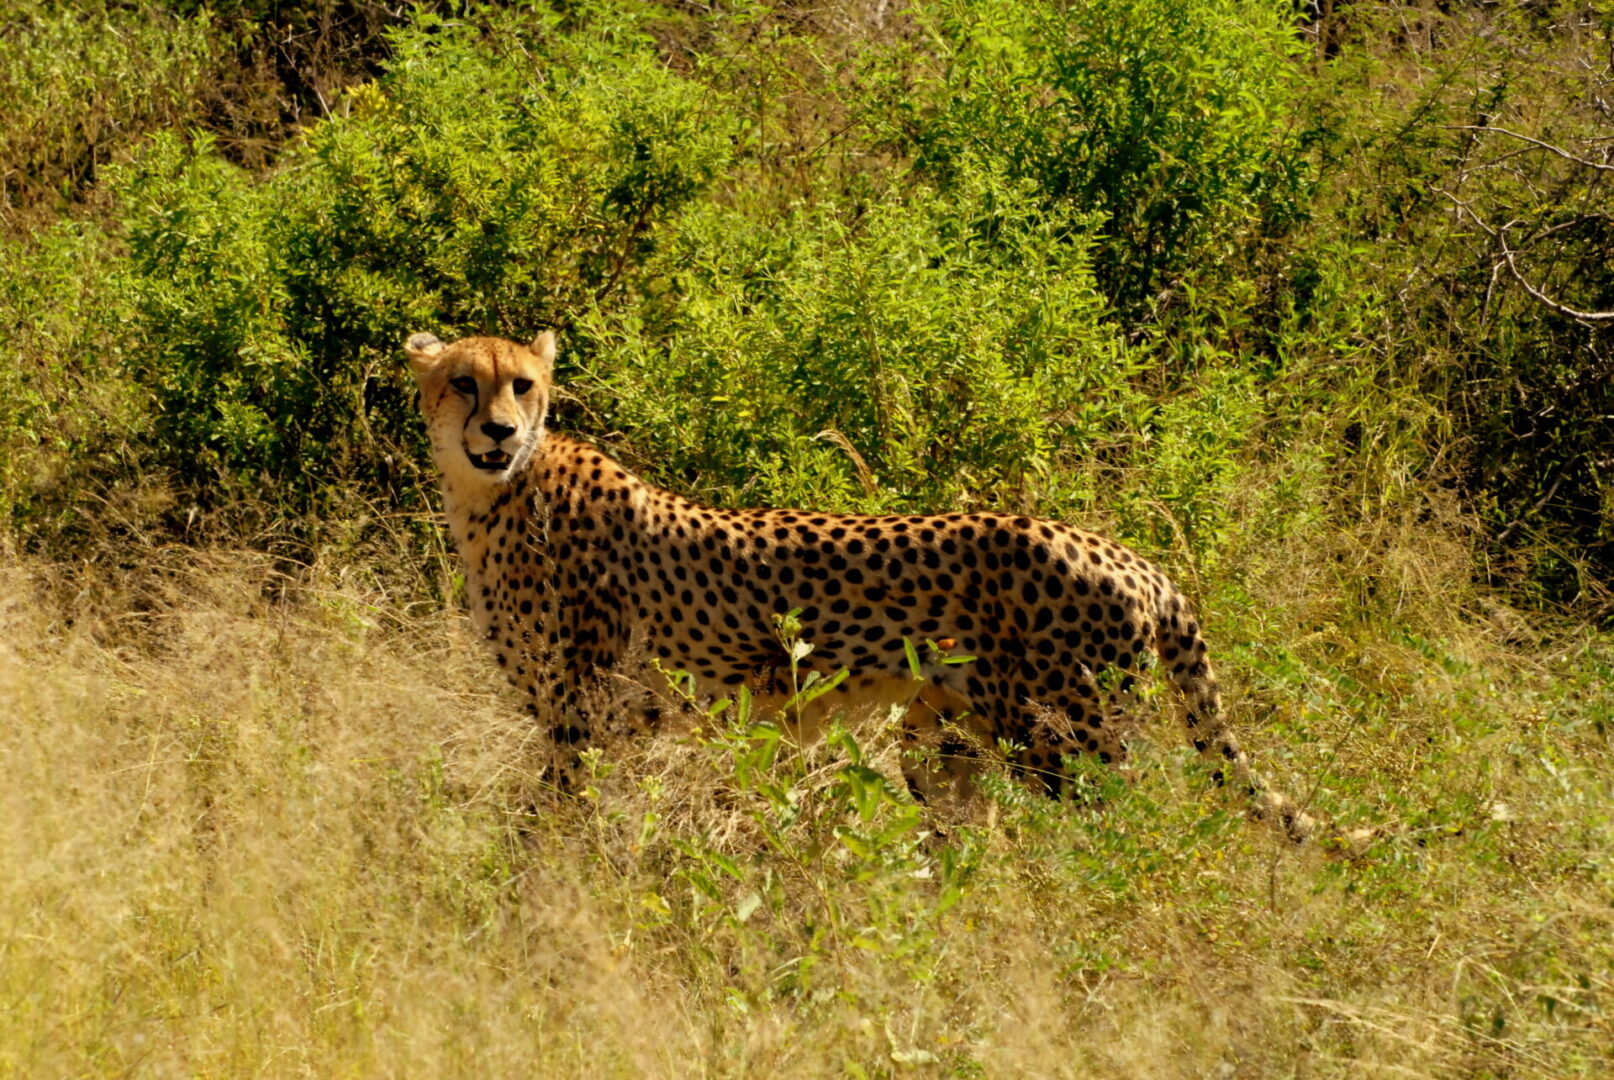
(496, 431)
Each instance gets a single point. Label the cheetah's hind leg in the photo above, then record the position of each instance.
(942, 752)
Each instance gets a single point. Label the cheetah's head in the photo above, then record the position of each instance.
(485, 400)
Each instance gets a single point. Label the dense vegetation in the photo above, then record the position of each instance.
(1313, 305)
(1088, 260)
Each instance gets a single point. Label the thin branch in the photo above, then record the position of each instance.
(1563, 471)
(1500, 236)
(1565, 154)
(1464, 208)
(1562, 309)
(633, 233)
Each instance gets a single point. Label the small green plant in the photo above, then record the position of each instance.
(821, 813)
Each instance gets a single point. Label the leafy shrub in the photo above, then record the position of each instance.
(67, 417)
(942, 350)
(81, 81)
(1457, 211)
(1099, 261)
(470, 190)
(1167, 118)
(202, 279)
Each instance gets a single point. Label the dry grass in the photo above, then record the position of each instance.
(255, 826)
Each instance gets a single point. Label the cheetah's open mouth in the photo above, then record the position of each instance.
(492, 461)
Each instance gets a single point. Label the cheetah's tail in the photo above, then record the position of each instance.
(1182, 653)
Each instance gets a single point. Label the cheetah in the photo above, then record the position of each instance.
(572, 563)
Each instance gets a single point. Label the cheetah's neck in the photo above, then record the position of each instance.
(561, 468)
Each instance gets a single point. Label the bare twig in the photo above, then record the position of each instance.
(1562, 309)
(1507, 254)
(633, 233)
(1565, 154)
(1502, 536)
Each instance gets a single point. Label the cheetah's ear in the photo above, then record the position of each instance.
(543, 347)
(423, 351)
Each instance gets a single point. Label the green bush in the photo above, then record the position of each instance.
(938, 351)
(1453, 215)
(82, 81)
(470, 190)
(1166, 118)
(69, 421)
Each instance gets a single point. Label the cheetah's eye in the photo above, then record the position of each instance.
(520, 386)
(464, 384)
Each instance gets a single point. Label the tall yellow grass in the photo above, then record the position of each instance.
(253, 825)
